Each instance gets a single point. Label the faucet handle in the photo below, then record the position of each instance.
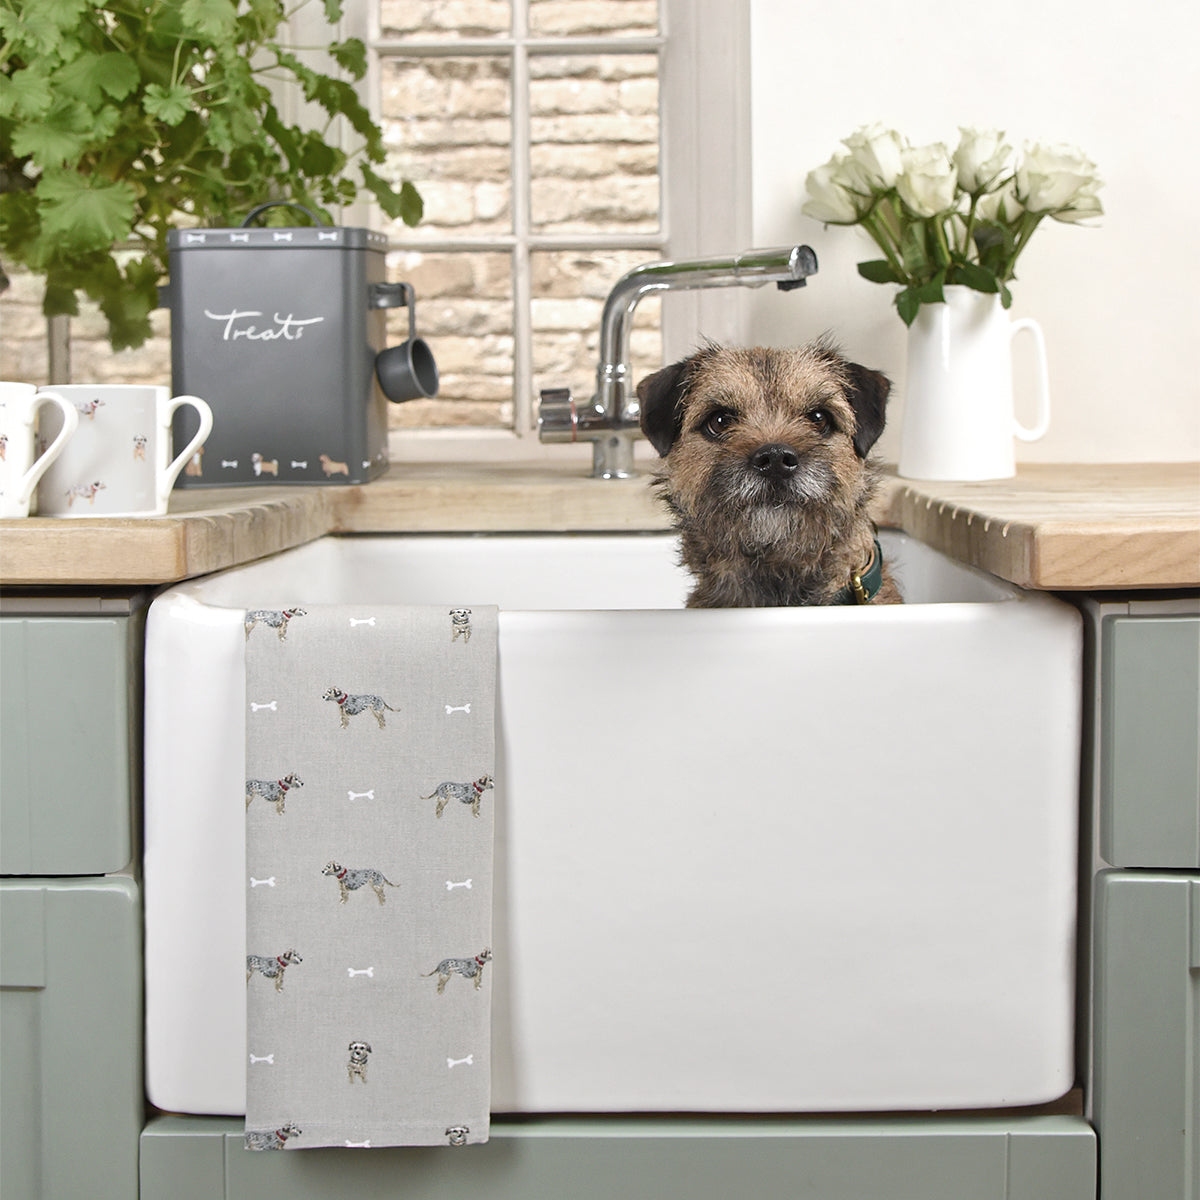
(557, 418)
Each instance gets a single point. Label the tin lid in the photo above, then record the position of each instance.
(307, 237)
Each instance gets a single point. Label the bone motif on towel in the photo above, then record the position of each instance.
(370, 746)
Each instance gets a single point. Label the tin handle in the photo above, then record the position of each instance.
(312, 216)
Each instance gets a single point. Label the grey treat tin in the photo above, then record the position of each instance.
(278, 329)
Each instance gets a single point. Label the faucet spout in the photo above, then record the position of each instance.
(611, 419)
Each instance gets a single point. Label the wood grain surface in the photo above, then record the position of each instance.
(1068, 527)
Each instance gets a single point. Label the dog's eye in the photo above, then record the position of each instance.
(719, 423)
(822, 420)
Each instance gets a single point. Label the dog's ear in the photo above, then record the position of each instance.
(867, 393)
(661, 398)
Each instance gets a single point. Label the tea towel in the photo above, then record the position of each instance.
(370, 751)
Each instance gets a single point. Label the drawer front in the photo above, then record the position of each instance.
(70, 1060)
(648, 1158)
(1149, 743)
(69, 721)
(1146, 1039)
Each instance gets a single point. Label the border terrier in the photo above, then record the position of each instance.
(767, 474)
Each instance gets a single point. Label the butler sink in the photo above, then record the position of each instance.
(747, 860)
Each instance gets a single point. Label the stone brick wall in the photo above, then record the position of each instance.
(594, 170)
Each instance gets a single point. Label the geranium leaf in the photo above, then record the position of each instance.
(83, 212)
(351, 56)
(168, 104)
(117, 74)
(211, 19)
(333, 11)
(405, 205)
(59, 137)
(26, 94)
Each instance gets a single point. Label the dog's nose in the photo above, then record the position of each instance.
(777, 460)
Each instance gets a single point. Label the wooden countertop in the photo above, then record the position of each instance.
(1071, 527)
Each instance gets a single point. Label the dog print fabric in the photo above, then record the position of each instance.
(371, 887)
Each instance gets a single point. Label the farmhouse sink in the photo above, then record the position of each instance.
(746, 860)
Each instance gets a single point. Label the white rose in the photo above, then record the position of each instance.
(874, 161)
(1060, 180)
(928, 180)
(1001, 205)
(982, 157)
(830, 197)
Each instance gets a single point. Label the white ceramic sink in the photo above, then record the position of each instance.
(747, 860)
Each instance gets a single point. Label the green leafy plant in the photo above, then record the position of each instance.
(120, 120)
(949, 218)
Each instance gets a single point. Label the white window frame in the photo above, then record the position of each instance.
(705, 200)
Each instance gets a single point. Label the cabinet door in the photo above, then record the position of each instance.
(1149, 734)
(648, 1158)
(71, 1100)
(1146, 1039)
(69, 742)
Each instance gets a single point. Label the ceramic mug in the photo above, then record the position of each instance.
(119, 462)
(21, 464)
(959, 420)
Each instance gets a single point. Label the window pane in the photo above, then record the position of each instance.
(447, 124)
(444, 19)
(23, 349)
(569, 289)
(584, 18)
(594, 152)
(464, 311)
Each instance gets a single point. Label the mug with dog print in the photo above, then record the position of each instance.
(959, 420)
(119, 462)
(24, 456)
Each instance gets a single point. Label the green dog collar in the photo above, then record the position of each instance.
(864, 585)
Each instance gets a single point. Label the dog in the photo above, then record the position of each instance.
(264, 466)
(767, 474)
(330, 467)
(274, 791)
(356, 1066)
(350, 879)
(460, 624)
(465, 793)
(270, 1139)
(350, 706)
(272, 966)
(273, 618)
(468, 968)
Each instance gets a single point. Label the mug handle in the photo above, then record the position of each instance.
(42, 465)
(1042, 381)
(166, 477)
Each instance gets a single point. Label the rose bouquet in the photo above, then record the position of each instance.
(943, 217)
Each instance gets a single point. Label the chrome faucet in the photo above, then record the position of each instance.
(610, 419)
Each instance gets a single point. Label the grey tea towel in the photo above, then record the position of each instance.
(370, 748)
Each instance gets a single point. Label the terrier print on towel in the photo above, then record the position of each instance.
(353, 706)
(352, 1043)
(350, 879)
(464, 793)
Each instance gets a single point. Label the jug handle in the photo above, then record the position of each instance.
(1041, 380)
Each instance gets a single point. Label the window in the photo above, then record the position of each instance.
(542, 135)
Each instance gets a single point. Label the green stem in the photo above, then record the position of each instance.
(881, 236)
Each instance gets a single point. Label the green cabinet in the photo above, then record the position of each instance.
(649, 1158)
(1145, 753)
(70, 747)
(1146, 1081)
(71, 1100)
